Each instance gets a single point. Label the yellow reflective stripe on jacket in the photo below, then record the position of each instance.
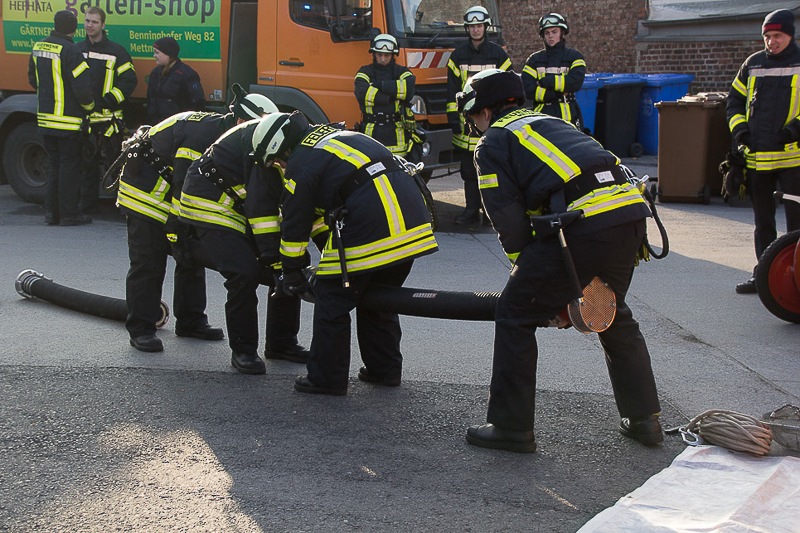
(124, 68)
(219, 213)
(487, 181)
(153, 204)
(293, 249)
(530, 71)
(362, 76)
(607, 199)
(453, 67)
(379, 253)
(506, 65)
(547, 152)
(735, 120)
(67, 122)
(391, 207)
(343, 151)
(82, 67)
(318, 227)
(369, 98)
(187, 153)
(766, 161)
(264, 225)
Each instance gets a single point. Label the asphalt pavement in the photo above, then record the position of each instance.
(95, 436)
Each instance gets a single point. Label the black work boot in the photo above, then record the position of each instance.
(646, 430)
(283, 323)
(746, 287)
(147, 343)
(470, 215)
(248, 363)
(491, 436)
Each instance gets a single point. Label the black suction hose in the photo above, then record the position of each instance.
(32, 284)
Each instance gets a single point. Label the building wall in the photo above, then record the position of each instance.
(605, 32)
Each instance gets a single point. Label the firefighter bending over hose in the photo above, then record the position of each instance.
(232, 201)
(533, 164)
(379, 224)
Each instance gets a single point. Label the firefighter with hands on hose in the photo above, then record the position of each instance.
(113, 80)
(60, 75)
(467, 60)
(156, 161)
(533, 164)
(383, 90)
(231, 200)
(553, 75)
(379, 224)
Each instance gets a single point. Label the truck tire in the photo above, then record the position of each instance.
(25, 162)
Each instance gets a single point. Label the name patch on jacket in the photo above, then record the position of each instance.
(604, 177)
(318, 134)
(375, 168)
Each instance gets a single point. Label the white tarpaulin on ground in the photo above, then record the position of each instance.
(708, 488)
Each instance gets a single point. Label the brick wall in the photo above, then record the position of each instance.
(714, 64)
(604, 31)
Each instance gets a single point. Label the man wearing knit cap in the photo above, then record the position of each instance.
(173, 86)
(763, 118)
(60, 76)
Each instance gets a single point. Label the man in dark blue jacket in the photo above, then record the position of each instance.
(532, 164)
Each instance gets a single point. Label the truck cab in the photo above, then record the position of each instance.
(302, 54)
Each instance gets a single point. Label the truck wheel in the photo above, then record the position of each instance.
(25, 162)
(775, 279)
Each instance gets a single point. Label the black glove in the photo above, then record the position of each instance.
(178, 235)
(786, 136)
(109, 102)
(292, 283)
(269, 258)
(743, 138)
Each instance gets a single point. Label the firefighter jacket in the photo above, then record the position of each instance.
(376, 211)
(177, 90)
(60, 76)
(525, 158)
(383, 94)
(226, 189)
(113, 81)
(551, 78)
(177, 142)
(763, 100)
(465, 62)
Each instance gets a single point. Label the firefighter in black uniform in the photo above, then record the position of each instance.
(173, 86)
(764, 119)
(149, 194)
(233, 203)
(378, 225)
(113, 79)
(528, 164)
(383, 90)
(466, 60)
(64, 102)
(554, 74)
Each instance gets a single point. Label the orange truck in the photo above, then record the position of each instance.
(303, 54)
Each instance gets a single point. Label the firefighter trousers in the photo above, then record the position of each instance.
(378, 332)
(233, 256)
(148, 249)
(761, 187)
(538, 289)
(63, 189)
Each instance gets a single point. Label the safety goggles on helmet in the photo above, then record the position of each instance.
(249, 106)
(385, 43)
(553, 20)
(477, 15)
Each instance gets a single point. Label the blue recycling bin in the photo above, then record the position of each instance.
(617, 111)
(587, 101)
(658, 88)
